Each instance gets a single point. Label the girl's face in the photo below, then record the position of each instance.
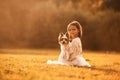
(72, 31)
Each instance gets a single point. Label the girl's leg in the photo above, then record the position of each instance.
(82, 62)
(55, 62)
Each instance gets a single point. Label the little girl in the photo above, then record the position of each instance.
(74, 31)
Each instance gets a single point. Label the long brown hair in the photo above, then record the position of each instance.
(78, 26)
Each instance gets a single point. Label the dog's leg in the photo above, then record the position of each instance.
(67, 56)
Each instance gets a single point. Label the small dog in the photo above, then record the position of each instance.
(63, 59)
(63, 40)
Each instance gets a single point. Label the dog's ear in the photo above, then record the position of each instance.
(61, 34)
(67, 34)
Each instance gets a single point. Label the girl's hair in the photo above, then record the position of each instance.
(78, 26)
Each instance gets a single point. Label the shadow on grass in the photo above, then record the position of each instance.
(107, 70)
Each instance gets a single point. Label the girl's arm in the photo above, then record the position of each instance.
(76, 49)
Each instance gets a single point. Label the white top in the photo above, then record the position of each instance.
(76, 46)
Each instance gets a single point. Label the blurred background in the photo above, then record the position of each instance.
(37, 23)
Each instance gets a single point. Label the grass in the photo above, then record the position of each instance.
(31, 65)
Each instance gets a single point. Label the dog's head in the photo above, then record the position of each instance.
(63, 39)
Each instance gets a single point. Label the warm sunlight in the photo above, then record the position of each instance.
(33, 23)
(59, 40)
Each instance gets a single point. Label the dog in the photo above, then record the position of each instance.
(64, 42)
(64, 56)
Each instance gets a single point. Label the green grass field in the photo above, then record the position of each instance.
(31, 65)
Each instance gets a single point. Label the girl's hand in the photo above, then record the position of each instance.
(71, 37)
(71, 57)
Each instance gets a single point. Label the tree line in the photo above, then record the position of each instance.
(37, 23)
